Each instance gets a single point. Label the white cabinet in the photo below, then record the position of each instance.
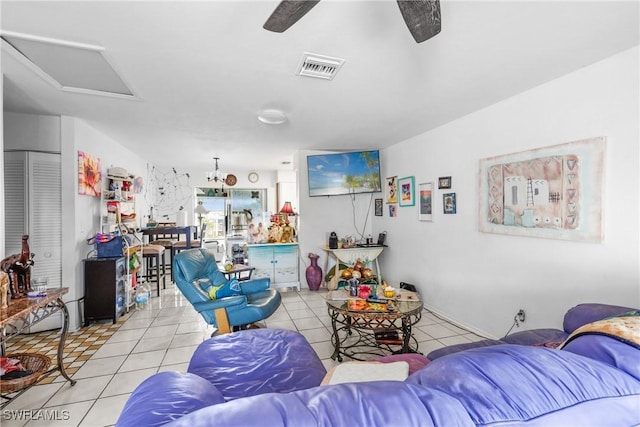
(278, 262)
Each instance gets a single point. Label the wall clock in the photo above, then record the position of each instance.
(231, 180)
(253, 177)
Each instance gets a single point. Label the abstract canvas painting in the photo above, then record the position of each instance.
(552, 192)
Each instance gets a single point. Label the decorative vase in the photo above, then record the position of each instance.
(314, 273)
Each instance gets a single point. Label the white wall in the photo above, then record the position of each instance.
(2, 215)
(81, 213)
(347, 215)
(481, 280)
(31, 132)
(26, 132)
(178, 186)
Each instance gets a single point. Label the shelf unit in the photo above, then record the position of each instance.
(118, 206)
(118, 215)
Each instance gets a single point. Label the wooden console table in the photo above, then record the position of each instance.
(25, 312)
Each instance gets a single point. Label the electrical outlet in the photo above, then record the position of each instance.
(521, 315)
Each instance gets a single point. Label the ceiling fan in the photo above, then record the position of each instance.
(421, 16)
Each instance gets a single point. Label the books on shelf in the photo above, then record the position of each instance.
(388, 336)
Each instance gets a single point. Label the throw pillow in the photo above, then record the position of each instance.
(230, 288)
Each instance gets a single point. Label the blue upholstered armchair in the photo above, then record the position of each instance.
(196, 274)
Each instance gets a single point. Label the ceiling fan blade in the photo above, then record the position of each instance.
(422, 18)
(288, 13)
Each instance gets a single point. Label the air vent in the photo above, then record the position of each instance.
(319, 66)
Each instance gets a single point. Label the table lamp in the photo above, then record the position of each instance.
(201, 211)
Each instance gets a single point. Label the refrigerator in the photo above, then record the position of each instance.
(230, 218)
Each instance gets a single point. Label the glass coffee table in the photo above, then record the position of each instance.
(372, 331)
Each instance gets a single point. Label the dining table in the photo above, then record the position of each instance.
(154, 233)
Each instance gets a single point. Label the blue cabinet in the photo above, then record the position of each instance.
(278, 262)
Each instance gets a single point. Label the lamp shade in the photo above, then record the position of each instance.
(200, 209)
(287, 209)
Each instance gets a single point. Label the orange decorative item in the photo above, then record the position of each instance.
(357, 304)
(367, 274)
(346, 274)
(359, 265)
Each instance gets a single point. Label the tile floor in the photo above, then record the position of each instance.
(109, 361)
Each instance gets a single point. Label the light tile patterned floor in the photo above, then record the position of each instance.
(79, 345)
(110, 361)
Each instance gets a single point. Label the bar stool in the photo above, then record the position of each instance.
(182, 245)
(166, 240)
(154, 254)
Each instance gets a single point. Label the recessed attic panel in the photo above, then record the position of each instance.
(72, 66)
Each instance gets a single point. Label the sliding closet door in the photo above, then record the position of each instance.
(45, 216)
(33, 206)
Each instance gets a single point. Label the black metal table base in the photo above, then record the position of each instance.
(354, 335)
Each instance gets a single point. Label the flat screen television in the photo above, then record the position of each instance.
(344, 173)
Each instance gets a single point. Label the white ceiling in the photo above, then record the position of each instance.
(203, 70)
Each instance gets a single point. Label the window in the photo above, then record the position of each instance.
(221, 209)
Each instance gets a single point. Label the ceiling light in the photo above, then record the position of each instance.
(272, 117)
(216, 175)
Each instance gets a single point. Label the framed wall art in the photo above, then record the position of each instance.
(393, 210)
(553, 192)
(425, 200)
(391, 189)
(449, 204)
(444, 182)
(407, 191)
(89, 175)
(378, 207)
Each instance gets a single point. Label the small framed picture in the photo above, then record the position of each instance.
(393, 210)
(444, 182)
(449, 203)
(391, 189)
(407, 191)
(378, 207)
(425, 200)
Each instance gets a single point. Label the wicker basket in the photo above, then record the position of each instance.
(37, 363)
